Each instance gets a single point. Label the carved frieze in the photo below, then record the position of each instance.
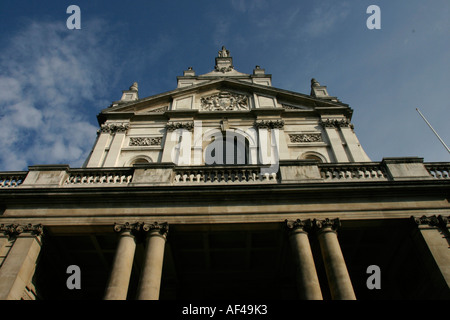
(305, 137)
(224, 101)
(114, 127)
(145, 141)
(269, 124)
(174, 125)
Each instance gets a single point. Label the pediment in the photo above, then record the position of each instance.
(224, 95)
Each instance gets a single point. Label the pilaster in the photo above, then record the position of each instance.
(18, 268)
(433, 237)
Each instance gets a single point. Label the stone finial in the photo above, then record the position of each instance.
(321, 92)
(134, 87)
(224, 53)
(314, 83)
(189, 72)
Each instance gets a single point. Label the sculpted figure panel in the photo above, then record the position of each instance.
(224, 101)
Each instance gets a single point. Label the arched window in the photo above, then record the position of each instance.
(312, 156)
(139, 160)
(230, 149)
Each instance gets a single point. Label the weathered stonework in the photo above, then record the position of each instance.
(224, 101)
(145, 141)
(305, 137)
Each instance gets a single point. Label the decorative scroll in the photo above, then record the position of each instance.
(114, 127)
(333, 223)
(16, 229)
(269, 124)
(432, 221)
(161, 228)
(305, 137)
(298, 224)
(119, 227)
(173, 125)
(140, 228)
(223, 69)
(224, 101)
(145, 141)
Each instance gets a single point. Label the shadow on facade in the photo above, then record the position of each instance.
(248, 261)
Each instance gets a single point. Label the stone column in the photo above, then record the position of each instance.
(119, 279)
(432, 237)
(150, 281)
(307, 280)
(18, 268)
(337, 274)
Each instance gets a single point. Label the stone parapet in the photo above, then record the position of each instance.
(289, 171)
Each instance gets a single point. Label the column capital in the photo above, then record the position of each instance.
(162, 229)
(15, 230)
(432, 221)
(298, 225)
(130, 227)
(334, 224)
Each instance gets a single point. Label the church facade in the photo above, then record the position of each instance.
(226, 188)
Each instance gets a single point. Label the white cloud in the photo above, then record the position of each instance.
(50, 77)
(324, 18)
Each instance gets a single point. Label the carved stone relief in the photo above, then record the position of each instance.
(305, 137)
(114, 127)
(269, 124)
(174, 125)
(329, 123)
(145, 141)
(224, 101)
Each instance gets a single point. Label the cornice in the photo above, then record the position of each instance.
(256, 88)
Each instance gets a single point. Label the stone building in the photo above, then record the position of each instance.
(226, 187)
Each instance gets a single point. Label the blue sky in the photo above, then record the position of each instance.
(54, 81)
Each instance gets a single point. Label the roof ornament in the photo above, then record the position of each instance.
(134, 87)
(224, 62)
(224, 53)
(315, 83)
(321, 92)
